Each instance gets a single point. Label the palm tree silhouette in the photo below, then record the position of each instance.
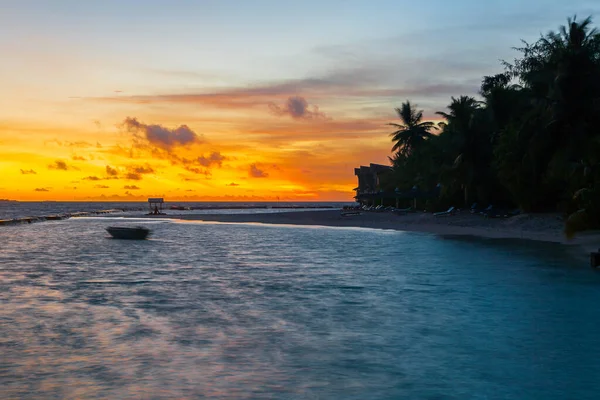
(412, 132)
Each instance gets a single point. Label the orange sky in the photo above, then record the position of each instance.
(231, 147)
(231, 100)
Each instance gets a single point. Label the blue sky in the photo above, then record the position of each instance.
(158, 46)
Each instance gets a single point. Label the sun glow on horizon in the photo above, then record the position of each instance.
(133, 159)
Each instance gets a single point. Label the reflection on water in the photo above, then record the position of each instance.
(250, 311)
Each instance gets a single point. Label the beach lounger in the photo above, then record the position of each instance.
(449, 211)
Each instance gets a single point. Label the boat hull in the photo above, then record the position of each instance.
(138, 233)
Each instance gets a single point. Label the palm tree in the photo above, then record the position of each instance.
(466, 139)
(461, 112)
(504, 102)
(412, 132)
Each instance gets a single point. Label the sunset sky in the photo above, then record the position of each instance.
(233, 100)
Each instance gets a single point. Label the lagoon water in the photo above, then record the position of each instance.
(237, 311)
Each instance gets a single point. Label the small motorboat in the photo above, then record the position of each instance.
(130, 233)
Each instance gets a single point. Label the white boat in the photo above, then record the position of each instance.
(130, 233)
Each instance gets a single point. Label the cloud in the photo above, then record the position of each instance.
(78, 158)
(131, 187)
(132, 176)
(102, 187)
(28, 172)
(371, 79)
(79, 144)
(111, 171)
(255, 172)
(198, 171)
(41, 189)
(215, 158)
(298, 108)
(136, 172)
(162, 136)
(141, 169)
(199, 165)
(233, 184)
(61, 166)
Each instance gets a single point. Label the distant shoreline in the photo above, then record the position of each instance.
(20, 213)
(538, 227)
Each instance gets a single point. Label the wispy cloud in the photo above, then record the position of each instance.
(133, 176)
(141, 169)
(131, 187)
(66, 143)
(233, 184)
(28, 172)
(367, 83)
(61, 165)
(214, 158)
(102, 187)
(41, 189)
(136, 172)
(198, 171)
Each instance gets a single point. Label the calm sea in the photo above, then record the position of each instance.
(240, 311)
(14, 209)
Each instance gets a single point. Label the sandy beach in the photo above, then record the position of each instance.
(540, 227)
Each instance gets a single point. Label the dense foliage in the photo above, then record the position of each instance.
(531, 141)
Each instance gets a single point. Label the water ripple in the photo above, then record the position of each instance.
(249, 311)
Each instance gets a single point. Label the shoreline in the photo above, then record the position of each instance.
(537, 227)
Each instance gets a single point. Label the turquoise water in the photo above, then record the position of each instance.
(238, 311)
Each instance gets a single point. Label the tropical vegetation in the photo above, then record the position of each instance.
(530, 140)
